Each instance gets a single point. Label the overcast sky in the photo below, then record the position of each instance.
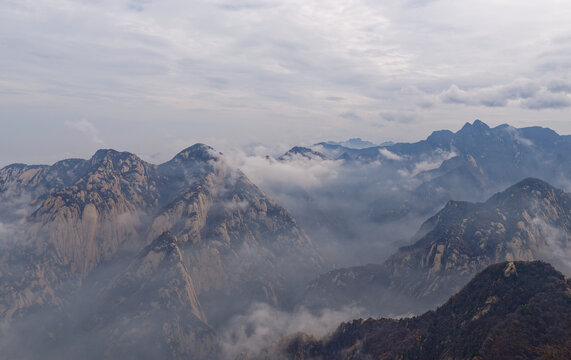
(153, 77)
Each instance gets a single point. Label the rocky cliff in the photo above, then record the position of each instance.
(74, 225)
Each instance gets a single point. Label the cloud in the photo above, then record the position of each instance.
(398, 116)
(298, 172)
(559, 86)
(337, 202)
(432, 162)
(491, 96)
(456, 95)
(87, 128)
(517, 136)
(558, 250)
(389, 155)
(528, 94)
(166, 65)
(350, 116)
(263, 324)
(548, 100)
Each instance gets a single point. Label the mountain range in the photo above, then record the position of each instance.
(114, 257)
(393, 189)
(528, 221)
(187, 243)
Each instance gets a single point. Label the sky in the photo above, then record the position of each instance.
(153, 77)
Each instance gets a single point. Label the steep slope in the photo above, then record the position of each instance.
(156, 296)
(81, 221)
(528, 221)
(88, 216)
(240, 245)
(510, 310)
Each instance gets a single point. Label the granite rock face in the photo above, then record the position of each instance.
(74, 225)
(530, 220)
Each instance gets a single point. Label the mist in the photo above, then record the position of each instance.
(348, 208)
(263, 324)
(558, 249)
(247, 237)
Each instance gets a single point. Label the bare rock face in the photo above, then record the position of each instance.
(75, 224)
(94, 208)
(530, 220)
(151, 309)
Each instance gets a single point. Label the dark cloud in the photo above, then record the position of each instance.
(531, 95)
(396, 116)
(559, 86)
(548, 100)
(349, 115)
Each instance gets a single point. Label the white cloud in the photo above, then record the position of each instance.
(297, 172)
(87, 128)
(264, 324)
(557, 250)
(389, 155)
(431, 163)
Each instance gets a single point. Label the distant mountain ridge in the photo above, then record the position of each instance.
(470, 164)
(355, 143)
(391, 190)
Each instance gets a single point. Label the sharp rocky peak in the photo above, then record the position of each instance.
(529, 188)
(532, 184)
(303, 152)
(477, 125)
(197, 152)
(110, 154)
(114, 160)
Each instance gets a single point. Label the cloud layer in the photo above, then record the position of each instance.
(148, 74)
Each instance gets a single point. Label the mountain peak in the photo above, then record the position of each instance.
(531, 183)
(353, 143)
(304, 152)
(197, 152)
(529, 187)
(476, 125)
(103, 154)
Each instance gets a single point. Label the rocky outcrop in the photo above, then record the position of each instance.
(234, 245)
(156, 296)
(520, 223)
(94, 209)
